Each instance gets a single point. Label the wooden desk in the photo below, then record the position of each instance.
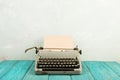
(91, 70)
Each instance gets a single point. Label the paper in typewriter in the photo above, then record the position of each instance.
(58, 42)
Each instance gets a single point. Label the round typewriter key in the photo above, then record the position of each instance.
(66, 65)
(54, 60)
(40, 66)
(61, 63)
(51, 62)
(69, 65)
(58, 62)
(72, 65)
(56, 65)
(73, 62)
(50, 65)
(63, 60)
(60, 66)
(63, 66)
(43, 66)
(46, 65)
(48, 62)
(77, 66)
(70, 62)
(45, 60)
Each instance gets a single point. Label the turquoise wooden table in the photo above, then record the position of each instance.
(91, 70)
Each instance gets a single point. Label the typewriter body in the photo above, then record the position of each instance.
(57, 59)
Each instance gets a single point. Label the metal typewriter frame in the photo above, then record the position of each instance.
(40, 71)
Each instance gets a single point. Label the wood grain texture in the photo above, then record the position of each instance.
(100, 71)
(91, 70)
(114, 66)
(60, 77)
(18, 71)
(30, 75)
(5, 66)
(86, 75)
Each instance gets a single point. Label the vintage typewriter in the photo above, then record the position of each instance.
(57, 56)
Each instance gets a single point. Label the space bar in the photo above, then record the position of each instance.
(58, 69)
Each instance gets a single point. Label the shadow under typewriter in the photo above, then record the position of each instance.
(58, 59)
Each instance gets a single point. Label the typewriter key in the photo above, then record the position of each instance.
(53, 65)
(39, 66)
(56, 65)
(60, 66)
(69, 65)
(46, 65)
(63, 65)
(73, 62)
(72, 65)
(70, 62)
(43, 66)
(48, 62)
(50, 65)
(51, 62)
(66, 66)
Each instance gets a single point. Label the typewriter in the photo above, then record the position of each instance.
(57, 56)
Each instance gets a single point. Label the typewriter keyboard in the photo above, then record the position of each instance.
(58, 63)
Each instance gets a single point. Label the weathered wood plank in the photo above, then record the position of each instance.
(91, 70)
(85, 75)
(60, 77)
(114, 66)
(5, 66)
(100, 71)
(30, 75)
(18, 71)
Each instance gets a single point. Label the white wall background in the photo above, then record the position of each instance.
(94, 25)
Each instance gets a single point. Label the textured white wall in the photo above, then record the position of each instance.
(94, 25)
